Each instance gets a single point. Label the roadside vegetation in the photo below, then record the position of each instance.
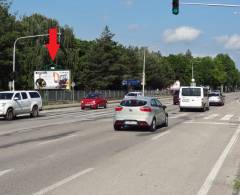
(101, 63)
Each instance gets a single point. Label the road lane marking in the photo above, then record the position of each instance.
(160, 135)
(212, 175)
(226, 117)
(210, 123)
(62, 182)
(55, 140)
(212, 116)
(5, 172)
(179, 115)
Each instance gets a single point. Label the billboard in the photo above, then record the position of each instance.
(59, 79)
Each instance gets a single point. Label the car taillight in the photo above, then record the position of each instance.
(118, 108)
(146, 109)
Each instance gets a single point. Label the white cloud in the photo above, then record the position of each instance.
(134, 27)
(230, 42)
(181, 34)
(128, 2)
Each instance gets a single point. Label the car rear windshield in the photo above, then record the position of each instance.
(6, 96)
(91, 96)
(191, 92)
(132, 94)
(213, 94)
(133, 103)
(34, 95)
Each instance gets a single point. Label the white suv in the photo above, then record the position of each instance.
(13, 103)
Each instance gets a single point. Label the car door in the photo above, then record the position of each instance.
(18, 107)
(162, 114)
(157, 111)
(26, 103)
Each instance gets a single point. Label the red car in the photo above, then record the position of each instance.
(94, 101)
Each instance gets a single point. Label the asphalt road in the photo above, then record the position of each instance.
(70, 151)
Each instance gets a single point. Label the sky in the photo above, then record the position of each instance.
(206, 31)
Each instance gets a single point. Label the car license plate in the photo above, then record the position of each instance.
(185, 100)
(130, 122)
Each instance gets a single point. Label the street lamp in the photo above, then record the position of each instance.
(143, 74)
(14, 52)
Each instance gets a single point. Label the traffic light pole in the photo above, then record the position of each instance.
(212, 4)
(14, 52)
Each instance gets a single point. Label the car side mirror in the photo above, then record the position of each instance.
(15, 98)
(164, 107)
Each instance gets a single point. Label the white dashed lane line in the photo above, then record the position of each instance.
(160, 135)
(5, 172)
(62, 182)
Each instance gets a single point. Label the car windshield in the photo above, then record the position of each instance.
(6, 96)
(191, 92)
(133, 103)
(92, 96)
(213, 94)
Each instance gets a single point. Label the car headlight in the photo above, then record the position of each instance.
(2, 104)
(94, 101)
(82, 102)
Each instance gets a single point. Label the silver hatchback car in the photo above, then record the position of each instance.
(141, 112)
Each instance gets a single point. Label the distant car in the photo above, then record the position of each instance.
(176, 97)
(141, 112)
(133, 94)
(216, 98)
(13, 103)
(94, 101)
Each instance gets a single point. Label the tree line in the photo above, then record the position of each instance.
(101, 63)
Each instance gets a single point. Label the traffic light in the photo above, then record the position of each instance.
(175, 7)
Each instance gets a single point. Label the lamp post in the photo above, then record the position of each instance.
(193, 83)
(143, 74)
(14, 52)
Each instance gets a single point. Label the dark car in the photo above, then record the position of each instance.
(176, 97)
(94, 101)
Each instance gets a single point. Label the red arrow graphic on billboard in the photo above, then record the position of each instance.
(53, 46)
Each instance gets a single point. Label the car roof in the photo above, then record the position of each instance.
(134, 92)
(146, 98)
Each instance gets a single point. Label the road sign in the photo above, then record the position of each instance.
(131, 82)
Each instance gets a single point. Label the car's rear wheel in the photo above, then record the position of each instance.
(165, 124)
(35, 111)
(153, 126)
(105, 106)
(9, 115)
(82, 108)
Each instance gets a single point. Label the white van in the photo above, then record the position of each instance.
(193, 98)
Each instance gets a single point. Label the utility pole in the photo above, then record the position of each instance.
(14, 52)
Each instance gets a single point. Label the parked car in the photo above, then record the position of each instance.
(133, 94)
(13, 103)
(141, 112)
(94, 101)
(176, 97)
(216, 98)
(193, 98)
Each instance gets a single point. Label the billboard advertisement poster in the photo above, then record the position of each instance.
(59, 79)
